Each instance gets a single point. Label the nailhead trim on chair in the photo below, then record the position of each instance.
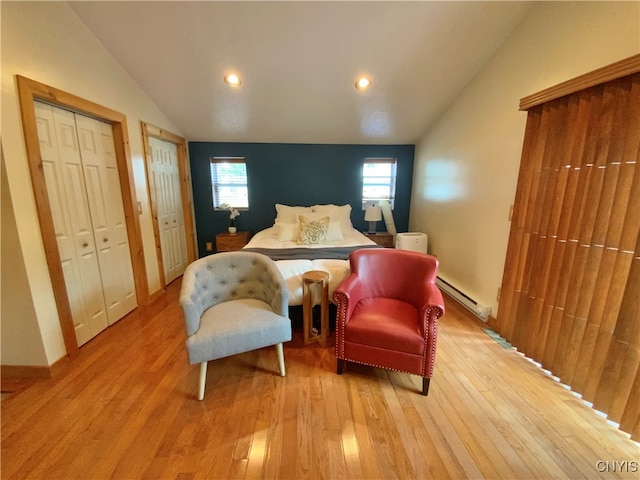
(381, 366)
(434, 334)
(342, 301)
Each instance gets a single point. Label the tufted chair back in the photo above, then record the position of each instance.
(230, 276)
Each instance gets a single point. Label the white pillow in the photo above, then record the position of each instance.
(287, 232)
(335, 231)
(287, 214)
(341, 213)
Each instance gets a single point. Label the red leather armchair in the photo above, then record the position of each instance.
(388, 311)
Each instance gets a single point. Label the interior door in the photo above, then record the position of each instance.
(166, 182)
(97, 151)
(72, 221)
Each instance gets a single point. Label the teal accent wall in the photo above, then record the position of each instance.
(294, 174)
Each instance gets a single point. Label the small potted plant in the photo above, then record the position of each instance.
(233, 213)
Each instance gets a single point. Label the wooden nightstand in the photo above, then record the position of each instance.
(229, 242)
(383, 239)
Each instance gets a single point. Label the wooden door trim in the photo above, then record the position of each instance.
(29, 91)
(148, 131)
(616, 70)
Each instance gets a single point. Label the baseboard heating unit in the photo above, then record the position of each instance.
(481, 311)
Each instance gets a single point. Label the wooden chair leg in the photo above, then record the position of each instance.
(340, 368)
(203, 380)
(425, 386)
(281, 359)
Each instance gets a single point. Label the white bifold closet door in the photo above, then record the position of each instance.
(168, 201)
(81, 173)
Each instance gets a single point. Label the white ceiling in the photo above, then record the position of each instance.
(299, 62)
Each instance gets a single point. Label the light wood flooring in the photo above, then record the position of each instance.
(126, 409)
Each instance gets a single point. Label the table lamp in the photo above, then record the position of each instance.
(372, 215)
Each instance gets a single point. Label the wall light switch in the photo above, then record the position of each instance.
(209, 246)
(139, 208)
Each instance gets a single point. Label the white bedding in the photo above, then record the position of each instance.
(292, 270)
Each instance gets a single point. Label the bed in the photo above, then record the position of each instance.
(295, 252)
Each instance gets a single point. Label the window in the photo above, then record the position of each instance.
(229, 182)
(378, 181)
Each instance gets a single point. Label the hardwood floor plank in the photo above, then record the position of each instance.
(510, 463)
(368, 460)
(126, 408)
(407, 434)
(452, 439)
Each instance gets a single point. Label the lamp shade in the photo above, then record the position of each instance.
(373, 214)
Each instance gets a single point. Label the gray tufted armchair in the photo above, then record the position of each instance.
(232, 303)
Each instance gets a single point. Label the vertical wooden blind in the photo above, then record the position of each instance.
(571, 285)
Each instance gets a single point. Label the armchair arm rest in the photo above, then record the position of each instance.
(192, 308)
(433, 296)
(433, 306)
(431, 310)
(278, 290)
(347, 295)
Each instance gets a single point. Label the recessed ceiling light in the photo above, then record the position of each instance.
(232, 80)
(363, 83)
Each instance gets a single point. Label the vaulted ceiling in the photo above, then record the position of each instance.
(299, 61)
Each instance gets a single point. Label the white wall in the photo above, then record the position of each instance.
(21, 342)
(45, 41)
(466, 165)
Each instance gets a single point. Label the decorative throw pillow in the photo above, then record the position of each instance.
(313, 232)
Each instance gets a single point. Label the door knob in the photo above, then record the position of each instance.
(105, 239)
(85, 244)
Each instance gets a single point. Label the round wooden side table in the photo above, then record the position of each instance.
(310, 278)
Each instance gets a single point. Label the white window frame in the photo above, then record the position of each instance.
(385, 181)
(219, 197)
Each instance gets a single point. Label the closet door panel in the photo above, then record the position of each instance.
(80, 168)
(166, 240)
(107, 215)
(98, 198)
(115, 213)
(161, 169)
(79, 214)
(175, 211)
(68, 258)
(65, 187)
(166, 185)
